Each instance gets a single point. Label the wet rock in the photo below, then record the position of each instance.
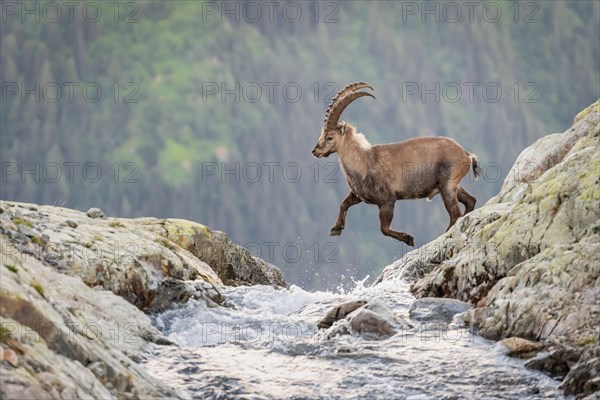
(556, 363)
(339, 312)
(173, 291)
(433, 309)
(435, 267)
(584, 377)
(95, 213)
(591, 389)
(374, 319)
(369, 321)
(523, 348)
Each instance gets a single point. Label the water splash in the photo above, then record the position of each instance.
(264, 345)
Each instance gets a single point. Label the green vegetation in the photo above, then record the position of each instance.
(38, 288)
(5, 334)
(12, 268)
(589, 340)
(155, 136)
(22, 221)
(116, 224)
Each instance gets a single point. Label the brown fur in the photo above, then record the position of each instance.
(413, 169)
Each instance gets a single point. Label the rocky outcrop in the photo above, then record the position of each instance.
(73, 287)
(584, 377)
(61, 339)
(529, 259)
(150, 262)
(233, 264)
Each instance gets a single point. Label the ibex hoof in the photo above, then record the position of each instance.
(409, 240)
(335, 232)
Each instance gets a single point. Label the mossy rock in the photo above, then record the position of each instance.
(582, 114)
(232, 263)
(180, 227)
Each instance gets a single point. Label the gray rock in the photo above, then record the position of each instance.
(84, 289)
(174, 291)
(99, 369)
(368, 321)
(150, 262)
(557, 362)
(373, 319)
(95, 213)
(433, 309)
(72, 341)
(27, 231)
(377, 318)
(339, 312)
(584, 377)
(549, 297)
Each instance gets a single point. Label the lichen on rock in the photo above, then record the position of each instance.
(153, 263)
(72, 342)
(232, 263)
(74, 288)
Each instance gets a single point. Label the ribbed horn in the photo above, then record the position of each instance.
(334, 116)
(342, 93)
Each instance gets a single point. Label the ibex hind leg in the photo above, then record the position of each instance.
(386, 214)
(449, 194)
(467, 199)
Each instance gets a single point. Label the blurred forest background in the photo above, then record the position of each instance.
(171, 142)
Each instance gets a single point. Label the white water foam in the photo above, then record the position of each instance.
(263, 345)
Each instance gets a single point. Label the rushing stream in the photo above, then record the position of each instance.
(265, 345)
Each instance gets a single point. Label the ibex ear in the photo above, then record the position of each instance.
(343, 130)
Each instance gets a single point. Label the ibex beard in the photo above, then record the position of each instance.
(382, 174)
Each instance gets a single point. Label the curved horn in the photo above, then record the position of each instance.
(333, 118)
(353, 87)
(342, 93)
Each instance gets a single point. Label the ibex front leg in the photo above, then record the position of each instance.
(348, 202)
(386, 214)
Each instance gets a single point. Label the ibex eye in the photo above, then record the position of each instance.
(329, 139)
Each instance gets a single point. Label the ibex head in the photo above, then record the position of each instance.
(333, 131)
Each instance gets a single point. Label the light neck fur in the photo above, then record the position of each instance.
(353, 151)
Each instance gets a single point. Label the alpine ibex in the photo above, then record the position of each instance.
(381, 174)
